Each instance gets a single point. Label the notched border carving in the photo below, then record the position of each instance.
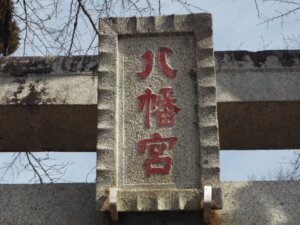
(200, 25)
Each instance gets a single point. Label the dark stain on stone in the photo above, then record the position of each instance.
(73, 65)
(88, 60)
(216, 217)
(34, 96)
(32, 65)
(258, 58)
(20, 81)
(219, 56)
(23, 66)
(287, 58)
(19, 91)
(239, 55)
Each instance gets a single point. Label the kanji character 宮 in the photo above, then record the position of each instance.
(157, 147)
(162, 106)
(148, 56)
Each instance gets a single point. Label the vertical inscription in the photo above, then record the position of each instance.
(158, 104)
(164, 109)
(162, 133)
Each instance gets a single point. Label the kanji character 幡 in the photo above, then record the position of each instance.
(162, 106)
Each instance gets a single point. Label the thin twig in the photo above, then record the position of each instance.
(33, 167)
(88, 16)
(74, 29)
(257, 9)
(26, 26)
(159, 7)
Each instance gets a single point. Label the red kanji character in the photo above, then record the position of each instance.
(147, 100)
(149, 58)
(166, 110)
(157, 146)
(161, 106)
(163, 62)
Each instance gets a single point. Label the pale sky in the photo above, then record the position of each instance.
(236, 27)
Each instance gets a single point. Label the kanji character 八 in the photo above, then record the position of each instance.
(148, 56)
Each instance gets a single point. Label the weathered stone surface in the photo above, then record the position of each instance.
(239, 78)
(265, 202)
(245, 203)
(48, 80)
(255, 125)
(49, 90)
(241, 75)
(48, 128)
(163, 199)
(185, 127)
(258, 76)
(271, 59)
(259, 125)
(177, 72)
(50, 65)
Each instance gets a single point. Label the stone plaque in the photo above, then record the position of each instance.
(157, 118)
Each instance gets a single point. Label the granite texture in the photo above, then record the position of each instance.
(245, 203)
(49, 65)
(67, 128)
(132, 121)
(241, 75)
(196, 153)
(258, 76)
(49, 90)
(261, 117)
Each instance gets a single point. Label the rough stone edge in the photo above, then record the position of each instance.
(151, 25)
(49, 65)
(81, 65)
(73, 204)
(162, 199)
(159, 200)
(260, 60)
(106, 125)
(201, 26)
(207, 108)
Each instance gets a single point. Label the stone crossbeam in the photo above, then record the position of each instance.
(245, 203)
(49, 103)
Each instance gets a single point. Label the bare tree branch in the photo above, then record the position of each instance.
(49, 30)
(33, 168)
(280, 13)
(257, 9)
(43, 168)
(74, 29)
(56, 27)
(91, 172)
(26, 26)
(88, 16)
(10, 166)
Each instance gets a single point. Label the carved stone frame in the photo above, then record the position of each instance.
(200, 25)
